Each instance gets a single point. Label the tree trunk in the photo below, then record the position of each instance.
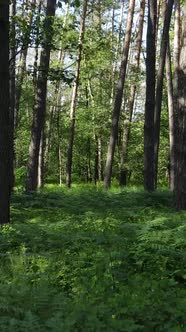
(171, 117)
(177, 33)
(37, 42)
(4, 115)
(22, 69)
(12, 88)
(60, 165)
(98, 167)
(58, 101)
(159, 4)
(40, 99)
(48, 136)
(96, 161)
(129, 113)
(118, 98)
(100, 164)
(180, 130)
(89, 171)
(150, 98)
(159, 87)
(125, 139)
(54, 109)
(74, 99)
(41, 161)
(117, 51)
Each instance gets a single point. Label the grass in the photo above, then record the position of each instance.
(89, 260)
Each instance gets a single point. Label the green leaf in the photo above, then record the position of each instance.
(76, 3)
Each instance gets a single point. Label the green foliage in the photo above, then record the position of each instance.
(90, 260)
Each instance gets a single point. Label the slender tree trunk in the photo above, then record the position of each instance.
(12, 89)
(22, 69)
(74, 98)
(42, 145)
(96, 161)
(180, 132)
(159, 4)
(171, 116)
(4, 114)
(129, 113)
(56, 108)
(40, 99)
(159, 87)
(117, 52)
(89, 171)
(48, 136)
(60, 165)
(177, 33)
(53, 109)
(98, 173)
(41, 161)
(125, 139)
(58, 97)
(150, 98)
(37, 42)
(100, 165)
(118, 98)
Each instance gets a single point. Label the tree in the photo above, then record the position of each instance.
(176, 58)
(4, 114)
(39, 109)
(12, 69)
(118, 98)
(130, 106)
(159, 86)
(23, 59)
(74, 98)
(170, 96)
(180, 129)
(150, 97)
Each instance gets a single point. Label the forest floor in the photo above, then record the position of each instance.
(87, 260)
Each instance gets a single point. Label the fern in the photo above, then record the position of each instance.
(90, 260)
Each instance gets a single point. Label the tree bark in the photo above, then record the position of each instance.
(22, 69)
(4, 114)
(171, 117)
(40, 99)
(118, 98)
(160, 3)
(74, 99)
(37, 42)
(159, 86)
(12, 65)
(180, 130)
(129, 113)
(125, 139)
(150, 97)
(89, 171)
(177, 33)
(41, 161)
(59, 135)
(55, 108)
(176, 58)
(117, 51)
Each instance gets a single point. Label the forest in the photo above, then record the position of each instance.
(93, 165)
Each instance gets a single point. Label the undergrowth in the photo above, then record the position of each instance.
(87, 260)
